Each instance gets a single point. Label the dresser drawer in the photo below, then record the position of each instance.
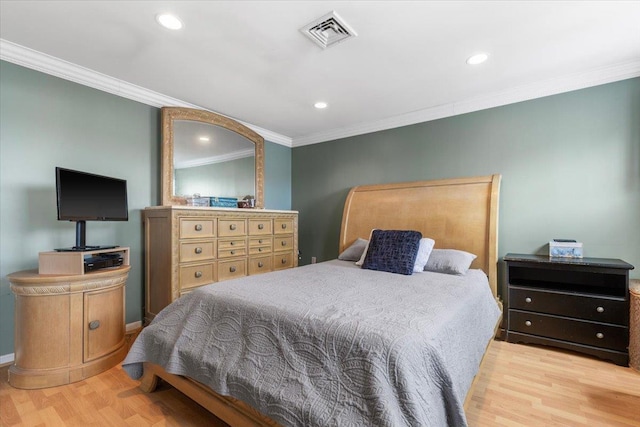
(232, 227)
(260, 264)
(259, 250)
(283, 260)
(266, 241)
(572, 330)
(598, 309)
(282, 226)
(231, 251)
(197, 275)
(259, 227)
(283, 243)
(231, 244)
(231, 269)
(197, 251)
(197, 228)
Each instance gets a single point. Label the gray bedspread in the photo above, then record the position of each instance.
(330, 344)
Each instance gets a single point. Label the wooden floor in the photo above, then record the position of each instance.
(518, 386)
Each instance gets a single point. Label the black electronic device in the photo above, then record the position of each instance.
(83, 196)
(100, 261)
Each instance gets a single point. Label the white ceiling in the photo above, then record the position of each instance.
(248, 59)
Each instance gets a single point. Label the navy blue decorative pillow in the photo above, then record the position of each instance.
(393, 251)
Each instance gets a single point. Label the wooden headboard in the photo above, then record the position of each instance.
(460, 213)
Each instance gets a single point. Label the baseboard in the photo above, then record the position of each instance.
(6, 359)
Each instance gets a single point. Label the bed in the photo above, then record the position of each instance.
(336, 344)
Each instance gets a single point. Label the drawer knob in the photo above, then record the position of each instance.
(260, 265)
(198, 274)
(232, 227)
(260, 241)
(232, 269)
(284, 226)
(284, 260)
(599, 335)
(232, 243)
(528, 323)
(527, 300)
(198, 227)
(600, 309)
(94, 324)
(233, 252)
(260, 226)
(198, 250)
(259, 249)
(284, 243)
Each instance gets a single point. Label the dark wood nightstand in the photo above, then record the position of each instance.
(579, 304)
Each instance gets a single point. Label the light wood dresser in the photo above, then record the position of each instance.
(68, 327)
(187, 247)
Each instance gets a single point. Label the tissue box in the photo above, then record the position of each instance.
(223, 202)
(565, 249)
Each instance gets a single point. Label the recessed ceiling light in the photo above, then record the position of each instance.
(320, 105)
(169, 21)
(477, 59)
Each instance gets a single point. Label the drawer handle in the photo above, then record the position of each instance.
(284, 243)
(198, 274)
(233, 252)
(198, 250)
(94, 324)
(232, 227)
(284, 226)
(198, 227)
(527, 300)
(284, 260)
(528, 323)
(260, 241)
(260, 226)
(600, 309)
(599, 335)
(232, 269)
(260, 265)
(232, 243)
(259, 249)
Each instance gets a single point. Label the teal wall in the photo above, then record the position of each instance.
(570, 168)
(47, 122)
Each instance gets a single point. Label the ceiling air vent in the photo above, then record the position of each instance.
(328, 30)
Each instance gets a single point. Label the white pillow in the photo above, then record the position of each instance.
(424, 250)
(366, 248)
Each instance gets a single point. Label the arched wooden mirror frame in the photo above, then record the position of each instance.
(169, 114)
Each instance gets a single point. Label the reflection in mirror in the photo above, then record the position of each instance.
(210, 155)
(213, 161)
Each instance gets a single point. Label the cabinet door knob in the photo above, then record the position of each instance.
(198, 227)
(232, 269)
(198, 274)
(284, 226)
(94, 324)
(528, 323)
(260, 226)
(260, 265)
(599, 335)
(527, 300)
(600, 309)
(198, 250)
(232, 227)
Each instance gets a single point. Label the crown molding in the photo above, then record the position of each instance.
(29, 58)
(568, 83)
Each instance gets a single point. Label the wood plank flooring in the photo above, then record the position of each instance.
(518, 386)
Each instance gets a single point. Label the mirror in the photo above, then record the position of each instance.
(206, 154)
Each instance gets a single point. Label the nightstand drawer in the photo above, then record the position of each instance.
(572, 330)
(598, 309)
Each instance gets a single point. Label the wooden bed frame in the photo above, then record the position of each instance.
(459, 213)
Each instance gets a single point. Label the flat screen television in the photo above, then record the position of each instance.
(83, 196)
